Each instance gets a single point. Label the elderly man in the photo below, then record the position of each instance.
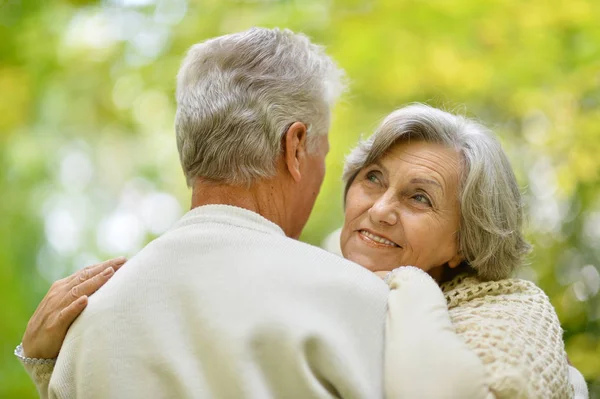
(228, 304)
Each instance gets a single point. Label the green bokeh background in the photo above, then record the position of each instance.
(89, 167)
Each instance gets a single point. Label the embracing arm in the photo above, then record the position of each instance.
(47, 328)
(424, 357)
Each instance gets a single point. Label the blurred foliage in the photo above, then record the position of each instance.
(89, 167)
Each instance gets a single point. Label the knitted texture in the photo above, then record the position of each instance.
(513, 328)
(40, 370)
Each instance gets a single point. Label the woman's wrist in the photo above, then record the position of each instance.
(30, 360)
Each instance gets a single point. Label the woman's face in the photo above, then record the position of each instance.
(404, 210)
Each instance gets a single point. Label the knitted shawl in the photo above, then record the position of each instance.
(513, 328)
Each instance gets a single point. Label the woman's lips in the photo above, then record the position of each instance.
(376, 240)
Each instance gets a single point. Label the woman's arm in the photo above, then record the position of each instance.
(48, 326)
(578, 382)
(424, 357)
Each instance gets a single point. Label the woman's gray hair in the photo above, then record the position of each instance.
(490, 237)
(238, 94)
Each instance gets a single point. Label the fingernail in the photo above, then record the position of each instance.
(82, 299)
(108, 271)
(121, 259)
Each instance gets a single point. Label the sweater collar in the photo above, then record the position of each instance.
(231, 215)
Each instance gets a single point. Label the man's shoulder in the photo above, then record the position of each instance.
(305, 250)
(305, 258)
(265, 262)
(234, 242)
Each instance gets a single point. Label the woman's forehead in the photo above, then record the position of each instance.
(437, 157)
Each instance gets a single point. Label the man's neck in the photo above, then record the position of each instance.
(262, 197)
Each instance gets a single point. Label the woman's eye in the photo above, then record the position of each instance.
(372, 177)
(422, 199)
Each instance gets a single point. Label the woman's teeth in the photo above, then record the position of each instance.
(378, 239)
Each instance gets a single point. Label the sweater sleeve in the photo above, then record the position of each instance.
(513, 328)
(424, 357)
(578, 382)
(39, 370)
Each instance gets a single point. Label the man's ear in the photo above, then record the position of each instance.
(294, 149)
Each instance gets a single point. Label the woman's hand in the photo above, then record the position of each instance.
(381, 274)
(65, 300)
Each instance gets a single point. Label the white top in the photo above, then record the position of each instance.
(224, 305)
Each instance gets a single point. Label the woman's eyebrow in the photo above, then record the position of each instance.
(380, 166)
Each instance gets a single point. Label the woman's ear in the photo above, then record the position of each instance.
(294, 149)
(458, 257)
(456, 260)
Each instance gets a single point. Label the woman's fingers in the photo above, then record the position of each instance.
(70, 313)
(92, 271)
(88, 287)
(115, 263)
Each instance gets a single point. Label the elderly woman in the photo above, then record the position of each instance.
(432, 203)
(435, 191)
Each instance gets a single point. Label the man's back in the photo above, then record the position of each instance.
(225, 306)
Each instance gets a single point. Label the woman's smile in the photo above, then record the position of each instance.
(376, 240)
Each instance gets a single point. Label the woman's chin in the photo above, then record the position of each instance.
(368, 262)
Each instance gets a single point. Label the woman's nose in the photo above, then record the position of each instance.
(383, 211)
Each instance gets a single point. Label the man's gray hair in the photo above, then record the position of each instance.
(490, 237)
(238, 94)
